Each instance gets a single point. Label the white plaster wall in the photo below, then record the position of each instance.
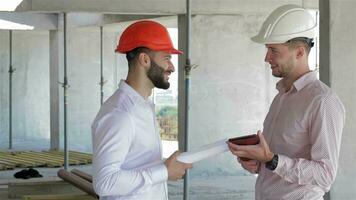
(30, 88)
(231, 89)
(343, 73)
(83, 67)
(4, 85)
(83, 64)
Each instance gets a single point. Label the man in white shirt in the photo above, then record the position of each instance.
(127, 157)
(297, 157)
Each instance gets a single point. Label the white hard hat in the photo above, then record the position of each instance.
(285, 23)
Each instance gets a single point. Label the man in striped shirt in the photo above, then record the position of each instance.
(297, 156)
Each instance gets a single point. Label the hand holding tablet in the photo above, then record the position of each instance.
(246, 140)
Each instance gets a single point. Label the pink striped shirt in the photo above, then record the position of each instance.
(304, 127)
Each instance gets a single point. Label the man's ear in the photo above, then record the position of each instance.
(144, 59)
(300, 51)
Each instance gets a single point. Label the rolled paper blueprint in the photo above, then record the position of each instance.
(204, 152)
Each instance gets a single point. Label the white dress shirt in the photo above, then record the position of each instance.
(304, 127)
(127, 156)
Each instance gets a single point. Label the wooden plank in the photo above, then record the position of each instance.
(78, 160)
(59, 197)
(17, 188)
(19, 162)
(27, 160)
(5, 152)
(14, 163)
(5, 166)
(83, 175)
(37, 158)
(88, 157)
(74, 154)
(7, 163)
(2, 166)
(82, 154)
(40, 155)
(12, 159)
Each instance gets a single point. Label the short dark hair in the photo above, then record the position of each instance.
(132, 55)
(306, 42)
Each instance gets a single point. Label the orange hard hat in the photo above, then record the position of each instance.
(147, 34)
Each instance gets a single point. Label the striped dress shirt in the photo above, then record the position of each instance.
(304, 127)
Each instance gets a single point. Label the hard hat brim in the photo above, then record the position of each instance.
(174, 51)
(279, 39)
(171, 51)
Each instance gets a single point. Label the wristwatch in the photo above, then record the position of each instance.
(272, 164)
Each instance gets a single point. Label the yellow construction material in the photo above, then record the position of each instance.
(24, 159)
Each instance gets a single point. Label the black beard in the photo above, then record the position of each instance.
(156, 75)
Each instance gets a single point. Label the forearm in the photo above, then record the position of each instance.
(300, 171)
(113, 181)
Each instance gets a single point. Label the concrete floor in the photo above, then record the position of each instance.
(206, 187)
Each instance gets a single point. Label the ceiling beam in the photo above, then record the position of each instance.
(34, 21)
(157, 7)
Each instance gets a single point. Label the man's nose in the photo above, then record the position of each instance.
(171, 67)
(267, 57)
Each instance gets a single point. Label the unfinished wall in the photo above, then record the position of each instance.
(230, 89)
(83, 62)
(83, 67)
(30, 87)
(31, 125)
(343, 72)
(4, 88)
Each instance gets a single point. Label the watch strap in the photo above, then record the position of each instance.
(272, 164)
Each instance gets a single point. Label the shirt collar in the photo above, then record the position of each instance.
(132, 94)
(299, 83)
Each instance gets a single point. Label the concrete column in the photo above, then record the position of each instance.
(55, 41)
(4, 89)
(181, 79)
(324, 38)
(342, 75)
(324, 53)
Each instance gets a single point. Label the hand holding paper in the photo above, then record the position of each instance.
(176, 169)
(204, 152)
(216, 148)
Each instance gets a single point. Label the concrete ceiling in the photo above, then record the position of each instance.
(155, 7)
(34, 20)
(44, 14)
(46, 21)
